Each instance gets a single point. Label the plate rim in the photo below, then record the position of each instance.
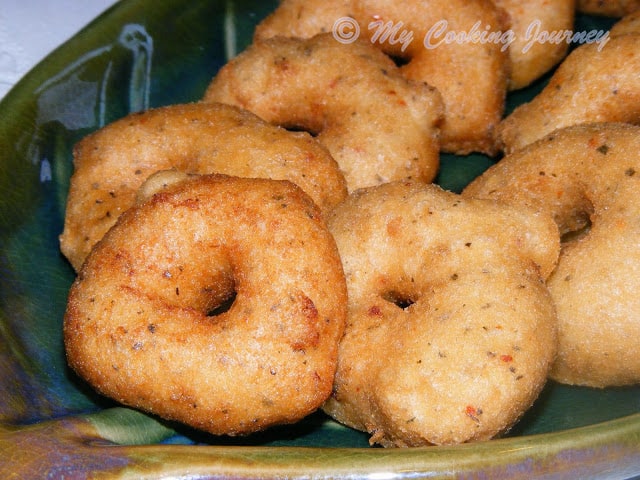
(627, 427)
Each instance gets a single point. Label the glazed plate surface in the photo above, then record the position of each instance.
(142, 54)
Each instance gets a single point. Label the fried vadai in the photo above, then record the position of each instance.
(596, 83)
(533, 51)
(111, 163)
(456, 46)
(587, 177)
(378, 125)
(148, 320)
(450, 329)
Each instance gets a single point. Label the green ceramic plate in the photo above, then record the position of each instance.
(144, 53)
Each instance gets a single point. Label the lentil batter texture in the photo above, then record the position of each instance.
(587, 178)
(143, 323)
(450, 330)
(113, 162)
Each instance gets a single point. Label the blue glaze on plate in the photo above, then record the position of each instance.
(139, 54)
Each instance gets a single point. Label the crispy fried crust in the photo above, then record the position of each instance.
(587, 177)
(377, 125)
(138, 325)
(112, 163)
(450, 332)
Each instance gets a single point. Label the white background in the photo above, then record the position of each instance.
(31, 29)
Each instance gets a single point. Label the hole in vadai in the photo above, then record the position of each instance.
(577, 234)
(223, 306)
(401, 300)
(574, 222)
(400, 60)
(301, 128)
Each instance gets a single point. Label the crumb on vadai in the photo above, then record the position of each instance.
(471, 75)
(111, 163)
(450, 329)
(141, 324)
(586, 177)
(378, 125)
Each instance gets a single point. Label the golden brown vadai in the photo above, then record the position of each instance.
(111, 163)
(378, 125)
(456, 46)
(450, 329)
(588, 177)
(536, 25)
(596, 83)
(144, 322)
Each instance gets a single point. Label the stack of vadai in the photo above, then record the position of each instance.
(111, 163)
(378, 125)
(471, 73)
(450, 330)
(141, 323)
(235, 273)
(595, 83)
(587, 178)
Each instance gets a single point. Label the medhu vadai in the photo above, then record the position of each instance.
(587, 178)
(450, 329)
(111, 163)
(145, 322)
(456, 46)
(378, 125)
